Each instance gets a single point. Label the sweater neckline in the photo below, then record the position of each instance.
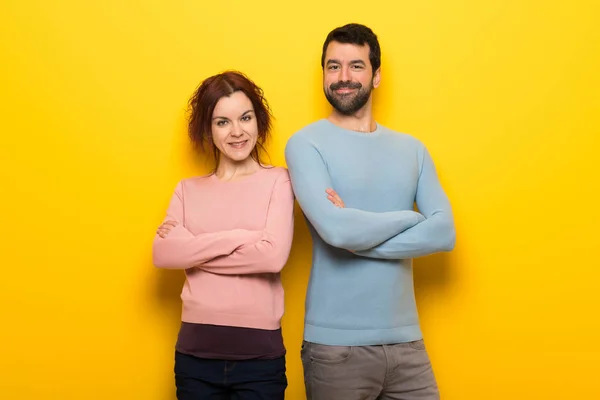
(247, 178)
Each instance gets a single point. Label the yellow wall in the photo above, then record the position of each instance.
(504, 94)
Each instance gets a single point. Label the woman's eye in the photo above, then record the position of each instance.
(246, 118)
(221, 123)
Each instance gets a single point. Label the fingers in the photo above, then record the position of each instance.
(338, 200)
(335, 201)
(162, 232)
(164, 229)
(333, 197)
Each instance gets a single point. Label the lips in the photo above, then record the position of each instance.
(340, 86)
(345, 91)
(238, 145)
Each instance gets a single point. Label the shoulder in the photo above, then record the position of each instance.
(405, 143)
(277, 180)
(312, 128)
(275, 174)
(196, 180)
(306, 135)
(402, 137)
(192, 183)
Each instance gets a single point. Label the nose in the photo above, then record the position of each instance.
(236, 130)
(345, 74)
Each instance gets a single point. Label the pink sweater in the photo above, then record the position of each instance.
(233, 239)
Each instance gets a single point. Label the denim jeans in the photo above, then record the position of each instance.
(206, 379)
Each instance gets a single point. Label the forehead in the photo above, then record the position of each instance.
(346, 52)
(233, 105)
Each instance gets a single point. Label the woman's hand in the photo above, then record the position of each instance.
(164, 229)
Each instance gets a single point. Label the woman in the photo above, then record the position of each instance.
(231, 231)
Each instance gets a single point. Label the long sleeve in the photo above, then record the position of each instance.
(180, 249)
(270, 253)
(345, 228)
(435, 234)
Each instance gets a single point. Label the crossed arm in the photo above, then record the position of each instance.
(390, 235)
(230, 252)
(433, 235)
(342, 227)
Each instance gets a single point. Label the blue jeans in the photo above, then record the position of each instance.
(205, 379)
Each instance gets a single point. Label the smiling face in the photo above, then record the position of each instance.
(348, 77)
(234, 128)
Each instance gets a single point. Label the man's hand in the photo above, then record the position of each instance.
(165, 228)
(337, 201)
(335, 198)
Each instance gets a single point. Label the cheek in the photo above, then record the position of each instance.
(252, 129)
(365, 82)
(218, 136)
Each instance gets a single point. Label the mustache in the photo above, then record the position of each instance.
(345, 85)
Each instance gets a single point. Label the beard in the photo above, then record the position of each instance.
(348, 104)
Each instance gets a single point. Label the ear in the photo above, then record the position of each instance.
(377, 78)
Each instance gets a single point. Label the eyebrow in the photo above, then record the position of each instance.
(361, 62)
(334, 61)
(246, 112)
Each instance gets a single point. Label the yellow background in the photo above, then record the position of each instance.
(505, 94)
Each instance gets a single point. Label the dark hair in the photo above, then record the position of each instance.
(355, 34)
(205, 98)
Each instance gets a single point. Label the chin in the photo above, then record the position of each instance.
(239, 157)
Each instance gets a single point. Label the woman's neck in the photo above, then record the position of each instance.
(229, 170)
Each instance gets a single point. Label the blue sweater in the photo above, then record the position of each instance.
(366, 297)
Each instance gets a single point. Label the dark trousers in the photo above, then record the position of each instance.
(205, 379)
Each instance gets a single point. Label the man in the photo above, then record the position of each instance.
(356, 182)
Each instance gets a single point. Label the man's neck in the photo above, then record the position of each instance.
(360, 121)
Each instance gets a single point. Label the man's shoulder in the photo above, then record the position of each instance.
(401, 136)
(405, 143)
(310, 130)
(308, 135)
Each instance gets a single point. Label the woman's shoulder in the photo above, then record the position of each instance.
(197, 179)
(276, 173)
(195, 182)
